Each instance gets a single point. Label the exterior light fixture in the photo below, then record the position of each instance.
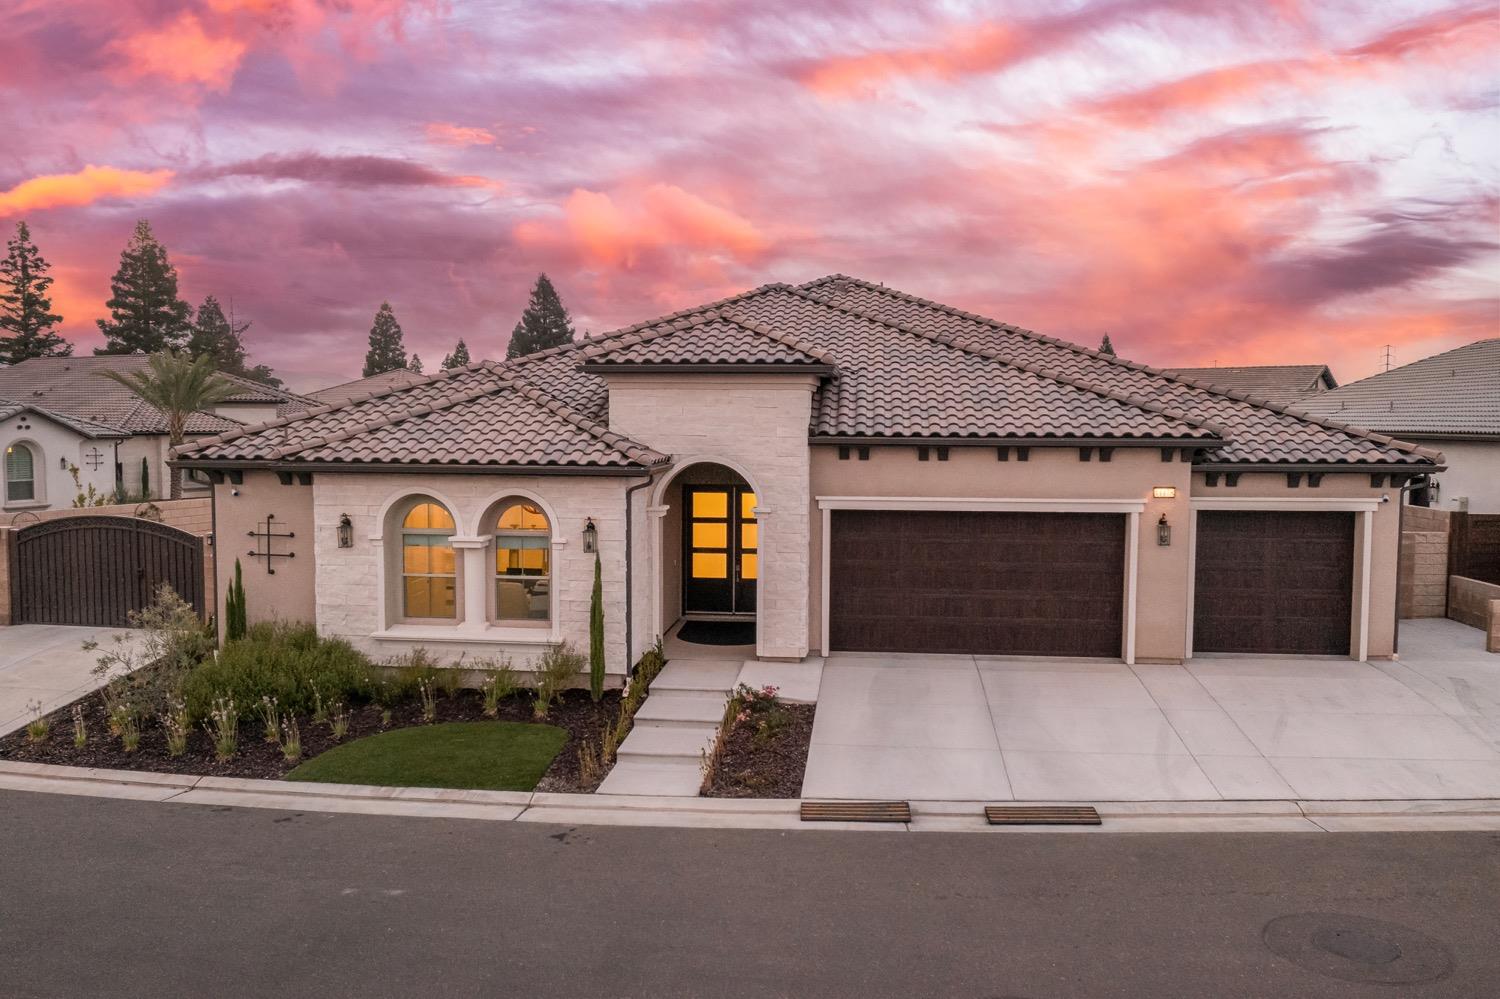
(590, 536)
(346, 531)
(1163, 532)
(1164, 492)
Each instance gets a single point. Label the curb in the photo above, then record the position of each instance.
(740, 813)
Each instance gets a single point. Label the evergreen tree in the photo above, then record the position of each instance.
(543, 324)
(215, 336)
(1105, 347)
(145, 313)
(458, 358)
(415, 364)
(26, 316)
(387, 352)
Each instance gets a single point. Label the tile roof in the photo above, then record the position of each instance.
(1278, 383)
(344, 391)
(903, 367)
(87, 428)
(1456, 392)
(76, 387)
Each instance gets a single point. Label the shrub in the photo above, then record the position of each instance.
(38, 728)
(223, 726)
(291, 740)
(759, 707)
(234, 607)
(270, 717)
(428, 694)
(500, 681)
(170, 638)
(596, 636)
(287, 662)
(174, 722)
(553, 673)
(338, 722)
(80, 728)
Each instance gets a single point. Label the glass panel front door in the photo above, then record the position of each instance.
(720, 548)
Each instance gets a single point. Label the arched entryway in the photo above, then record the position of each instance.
(709, 555)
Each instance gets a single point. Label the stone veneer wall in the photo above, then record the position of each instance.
(1424, 563)
(351, 605)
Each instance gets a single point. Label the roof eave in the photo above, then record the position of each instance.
(709, 368)
(252, 464)
(998, 441)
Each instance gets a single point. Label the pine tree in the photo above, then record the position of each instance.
(386, 352)
(1105, 347)
(458, 358)
(145, 313)
(214, 335)
(26, 316)
(415, 364)
(544, 323)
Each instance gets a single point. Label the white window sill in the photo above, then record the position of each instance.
(460, 633)
(26, 505)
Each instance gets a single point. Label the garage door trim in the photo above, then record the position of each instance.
(1132, 508)
(1364, 509)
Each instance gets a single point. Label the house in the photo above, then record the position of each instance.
(44, 451)
(1282, 384)
(837, 466)
(344, 391)
(1449, 401)
(74, 388)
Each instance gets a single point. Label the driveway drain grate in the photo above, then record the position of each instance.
(1041, 815)
(1357, 949)
(856, 811)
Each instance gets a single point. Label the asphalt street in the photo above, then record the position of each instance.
(105, 897)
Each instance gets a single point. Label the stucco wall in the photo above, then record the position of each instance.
(50, 443)
(1049, 473)
(756, 425)
(1473, 473)
(241, 508)
(353, 597)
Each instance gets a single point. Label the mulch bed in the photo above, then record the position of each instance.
(258, 758)
(751, 767)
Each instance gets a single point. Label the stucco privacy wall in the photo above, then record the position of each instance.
(352, 595)
(756, 425)
(286, 595)
(1049, 473)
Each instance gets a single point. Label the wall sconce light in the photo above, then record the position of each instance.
(1164, 492)
(346, 531)
(590, 536)
(1163, 532)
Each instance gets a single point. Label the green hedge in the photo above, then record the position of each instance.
(286, 661)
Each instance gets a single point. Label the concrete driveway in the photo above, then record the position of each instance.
(46, 663)
(975, 728)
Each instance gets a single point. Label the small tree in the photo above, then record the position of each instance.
(387, 351)
(145, 479)
(415, 364)
(234, 606)
(458, 358)
(544, 323)
(26, 316)
(178, 387)
(596, 635)
(146, 315)
(1105, 347)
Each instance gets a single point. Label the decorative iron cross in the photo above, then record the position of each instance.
(264, 542)
(94, 458)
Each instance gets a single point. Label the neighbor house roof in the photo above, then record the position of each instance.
(87, 428)
(1454, 393)
(77, 387)
(1278, 383)
(890, 366)
(360, 387)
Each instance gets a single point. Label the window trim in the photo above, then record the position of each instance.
(498, 535)
(404, 510)
(38, 484)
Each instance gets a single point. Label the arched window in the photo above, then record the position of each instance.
(428, 574)
(523, 563)
(20, 474)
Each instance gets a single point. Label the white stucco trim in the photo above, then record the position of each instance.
(1132, 508)
(388, 627)
(1364, 511)
(401, 495)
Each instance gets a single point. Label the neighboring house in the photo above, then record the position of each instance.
(847, 467)
(360, 387)
(1449, 401)
(44, 450)
(74, 387)
(1282, 384)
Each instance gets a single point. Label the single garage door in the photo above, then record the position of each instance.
(1274, 582)
(1049, 584)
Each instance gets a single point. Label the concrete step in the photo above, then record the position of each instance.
(678, 780)
(698, 674)
(674, 743)
(675, 707)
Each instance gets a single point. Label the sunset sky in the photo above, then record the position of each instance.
(1230, 181)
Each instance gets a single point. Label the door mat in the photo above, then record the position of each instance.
(717, 632)
(1042, 815)
(856, 811)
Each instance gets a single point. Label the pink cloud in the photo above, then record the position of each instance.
(448, 134)
(81, 187)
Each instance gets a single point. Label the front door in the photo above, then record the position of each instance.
(721, 545)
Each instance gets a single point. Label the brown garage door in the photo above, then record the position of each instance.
(986, 583)
(1274, 582)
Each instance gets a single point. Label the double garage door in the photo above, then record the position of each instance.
(1053, 584)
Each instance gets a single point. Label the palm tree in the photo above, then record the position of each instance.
(178, 386)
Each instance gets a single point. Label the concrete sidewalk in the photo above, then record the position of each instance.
(46, 663)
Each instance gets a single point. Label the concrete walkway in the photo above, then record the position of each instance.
(46, 663)
(975, 728)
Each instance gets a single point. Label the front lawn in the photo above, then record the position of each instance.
(495, 756)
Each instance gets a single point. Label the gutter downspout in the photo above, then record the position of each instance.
(629, 561)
